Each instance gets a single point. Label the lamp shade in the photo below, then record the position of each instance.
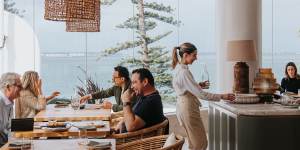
(241, 50)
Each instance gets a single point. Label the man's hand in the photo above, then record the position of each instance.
(119, 126)
(85, 98)
(229, 96)
(127, 95)
(107, 105)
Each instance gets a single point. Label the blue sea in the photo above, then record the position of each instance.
(62, 71)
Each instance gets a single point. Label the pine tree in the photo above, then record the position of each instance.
(9, 5)
(154, 57)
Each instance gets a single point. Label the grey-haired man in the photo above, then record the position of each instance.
(10, 87)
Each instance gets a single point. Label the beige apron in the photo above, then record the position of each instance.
(188, 115)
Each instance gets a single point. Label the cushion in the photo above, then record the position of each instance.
(170, 140)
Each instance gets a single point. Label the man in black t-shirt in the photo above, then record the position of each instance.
(148, 109)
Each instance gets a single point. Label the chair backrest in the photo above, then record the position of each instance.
(158, 129)
(156, 142)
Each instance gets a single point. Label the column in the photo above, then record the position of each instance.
(236, 20)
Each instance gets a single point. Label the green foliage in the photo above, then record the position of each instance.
(155, 56)
(86, 87)
(107, 2)
(9, 5)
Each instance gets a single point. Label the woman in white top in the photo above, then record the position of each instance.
(188, 92)
(31, 99)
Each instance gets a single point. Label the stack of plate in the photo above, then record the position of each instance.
(264, 82)
(246, 98)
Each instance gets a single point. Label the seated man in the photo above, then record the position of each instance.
(122, 83)
(148, 109)
(10, 87)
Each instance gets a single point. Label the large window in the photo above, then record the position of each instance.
(280, 34)
(67, 57)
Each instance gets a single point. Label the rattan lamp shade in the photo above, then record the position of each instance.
(84, 25)
(55, 10)
(81, 9)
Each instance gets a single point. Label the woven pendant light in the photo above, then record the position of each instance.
(55, 10)
(81, 9)
(84, 25)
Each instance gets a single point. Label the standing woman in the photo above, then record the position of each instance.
(291, 81)
(188, 92)
(31, 99)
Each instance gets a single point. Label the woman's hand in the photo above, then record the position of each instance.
(229, 96)
(55, 93)
(205, 84)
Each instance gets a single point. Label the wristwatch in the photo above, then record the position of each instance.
(126, 104)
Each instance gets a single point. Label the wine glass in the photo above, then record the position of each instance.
(75, 103)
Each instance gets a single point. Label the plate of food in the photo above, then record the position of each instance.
(18, 145)
(94, 145)
(56, 126)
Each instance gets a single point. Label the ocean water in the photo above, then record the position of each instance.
(62, 71)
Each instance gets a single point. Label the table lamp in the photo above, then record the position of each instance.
(241, 51)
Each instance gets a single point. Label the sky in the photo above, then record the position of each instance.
(197, 17)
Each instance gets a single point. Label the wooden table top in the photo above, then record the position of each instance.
(72, 131)
(68, 114)
(62, 144)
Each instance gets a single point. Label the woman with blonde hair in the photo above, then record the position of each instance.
(31, 99)
(188, 92)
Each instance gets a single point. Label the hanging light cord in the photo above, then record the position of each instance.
(178, 22)
(133, 34)
(272, 33)
(86, 61)
(33, 35)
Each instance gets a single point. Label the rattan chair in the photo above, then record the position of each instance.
(156, 142)
(158, 129)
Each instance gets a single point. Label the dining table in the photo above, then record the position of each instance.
(90, 112)
(96, 128)
(63, 144)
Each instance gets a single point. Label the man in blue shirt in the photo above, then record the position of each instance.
(148, 109)
(10, 87)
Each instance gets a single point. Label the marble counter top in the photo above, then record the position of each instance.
(257, 109)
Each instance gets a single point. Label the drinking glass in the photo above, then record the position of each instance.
(75, 103)
(82, 136)
(204, 74)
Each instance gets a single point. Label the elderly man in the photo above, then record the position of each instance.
(148, 109)
(121, 81)
(10, 87)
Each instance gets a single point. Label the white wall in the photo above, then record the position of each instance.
(21, 51)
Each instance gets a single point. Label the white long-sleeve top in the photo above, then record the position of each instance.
(184, 81)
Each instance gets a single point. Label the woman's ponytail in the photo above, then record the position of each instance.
(175, 57)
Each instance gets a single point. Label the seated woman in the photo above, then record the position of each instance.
(31, 99)
(290, 83)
